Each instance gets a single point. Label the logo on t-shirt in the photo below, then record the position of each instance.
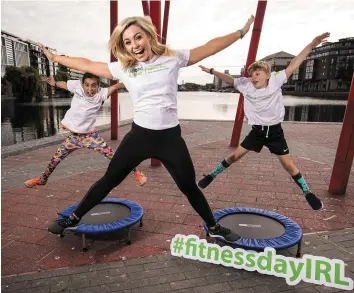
(249, 97)
(148, 69)
(155, 67)
(136, 71)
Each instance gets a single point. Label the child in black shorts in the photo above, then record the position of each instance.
(264, 109)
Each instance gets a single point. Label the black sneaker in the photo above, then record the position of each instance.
(58, 226)
(314, 201)
(203, 183)
(224, 233)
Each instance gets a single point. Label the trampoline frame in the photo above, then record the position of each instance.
(133, 206)
(292, 229)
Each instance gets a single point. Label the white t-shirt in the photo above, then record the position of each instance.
(81, 116)
(263, 106)
(153, 89)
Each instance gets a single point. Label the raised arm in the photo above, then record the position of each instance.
(296, 62)
(81, 64)
(218, 44)
(51, 81)
(115, 87)
(223, 76)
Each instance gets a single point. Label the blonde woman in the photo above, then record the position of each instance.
(149, 71)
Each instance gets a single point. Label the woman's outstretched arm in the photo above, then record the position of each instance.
(218, 44)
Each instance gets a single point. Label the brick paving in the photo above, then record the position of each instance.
(258, 180)
(166, 273)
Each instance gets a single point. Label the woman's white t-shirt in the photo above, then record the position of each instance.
(153, 89)
(81, 116)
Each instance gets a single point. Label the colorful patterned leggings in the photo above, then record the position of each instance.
(74, 142)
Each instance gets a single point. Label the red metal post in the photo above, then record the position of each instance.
(114, 97)
(252, 54)
(146, 7)
(345, 151)
(155, 14)
(165, 21)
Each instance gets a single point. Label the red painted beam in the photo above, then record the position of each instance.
(165, 21)
(252, 54)
(114, 97)
(155, 14)
(146, 7)
(345, 151)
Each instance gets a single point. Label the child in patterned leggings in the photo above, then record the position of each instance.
(80, 119)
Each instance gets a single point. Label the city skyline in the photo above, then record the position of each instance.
(84, 33)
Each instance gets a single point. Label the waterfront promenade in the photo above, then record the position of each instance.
(35, 261)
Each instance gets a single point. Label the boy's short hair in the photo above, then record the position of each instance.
(90, 75)
(261, 65)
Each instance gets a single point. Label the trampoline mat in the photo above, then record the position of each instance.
(105, 213)
(253, 226)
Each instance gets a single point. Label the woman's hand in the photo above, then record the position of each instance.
(49, 54)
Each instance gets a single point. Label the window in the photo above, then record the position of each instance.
(2, 41)
(296, 74)
(309, 69)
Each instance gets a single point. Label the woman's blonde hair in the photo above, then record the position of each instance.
(262, 65)
(116, 44)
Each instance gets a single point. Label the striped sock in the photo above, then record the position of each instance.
(221, 167)
(300, 181)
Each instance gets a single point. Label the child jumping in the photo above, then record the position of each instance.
(79, 120)
(264, 110)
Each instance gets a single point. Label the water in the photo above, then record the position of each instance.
(25, 122)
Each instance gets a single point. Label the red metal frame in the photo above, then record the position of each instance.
(345, 151)
(114, 97)
(252, 53)
(146, 7)
(155, 14)
(165, 21)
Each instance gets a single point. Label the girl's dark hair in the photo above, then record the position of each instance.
(90, 75)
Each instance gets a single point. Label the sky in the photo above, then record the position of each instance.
(81, 28)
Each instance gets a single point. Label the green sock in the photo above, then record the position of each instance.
(221, 167)
(300, 181)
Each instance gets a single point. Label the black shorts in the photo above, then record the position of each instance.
(270, 136)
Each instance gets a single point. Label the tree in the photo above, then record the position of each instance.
(26, 82)
(62, 75)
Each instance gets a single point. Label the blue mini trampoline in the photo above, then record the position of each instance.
(111, 214)
(260, 229)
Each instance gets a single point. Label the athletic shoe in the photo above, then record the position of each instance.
(206, 181)
(58, 226)
(314, 201)
(223, 233)
(140, 177)
(33, 182)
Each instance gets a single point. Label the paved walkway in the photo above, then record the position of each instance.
(166, 273)
(258, 180)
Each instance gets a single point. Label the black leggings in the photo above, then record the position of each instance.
(140, 144)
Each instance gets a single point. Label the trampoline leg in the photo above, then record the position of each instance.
(84, 248)
(129, 238)
(298, 253)
(141, 223)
